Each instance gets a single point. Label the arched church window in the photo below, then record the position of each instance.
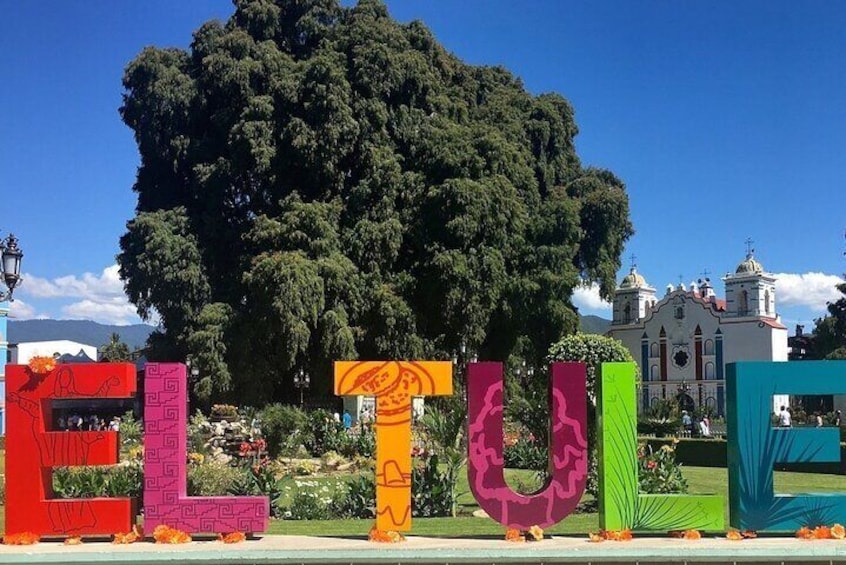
(767, 301)
(709, 347)
(654, 375)
(709, 372)
(627, 313)
(743, 303)
(653, 350)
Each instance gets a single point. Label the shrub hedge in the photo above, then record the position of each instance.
(698, 452)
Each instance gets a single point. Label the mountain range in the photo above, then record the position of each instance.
(135, 336)
(81, 331)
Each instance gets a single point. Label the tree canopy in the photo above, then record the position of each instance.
(320, 183)
(830, 330)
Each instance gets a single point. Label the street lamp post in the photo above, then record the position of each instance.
(11, 266)
(525, 373)
(302, 380)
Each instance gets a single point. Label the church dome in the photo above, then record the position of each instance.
(749, 265)
(633, 280)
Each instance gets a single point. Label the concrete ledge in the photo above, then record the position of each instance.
(422, 550)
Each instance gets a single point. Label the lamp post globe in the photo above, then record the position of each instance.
(10, 263)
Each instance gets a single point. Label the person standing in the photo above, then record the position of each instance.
(347, 421)
(784, 420)
(838, 420)
(687, 423)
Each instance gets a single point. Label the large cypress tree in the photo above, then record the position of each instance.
(321, 183)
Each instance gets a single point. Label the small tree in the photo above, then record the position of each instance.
(115, 350)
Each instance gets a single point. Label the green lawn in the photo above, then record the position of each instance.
(702, 480)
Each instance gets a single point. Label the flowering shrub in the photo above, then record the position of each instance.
(525, 453)
(658, 472)
(223, 412)
(311, 501)
(257, 476)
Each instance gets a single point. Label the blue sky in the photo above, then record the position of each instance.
(725, 120)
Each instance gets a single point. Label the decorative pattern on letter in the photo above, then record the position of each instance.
(755, 446)
(394, 384)
(568, 465)
(32, 449)
(165, 468)
(620, 505)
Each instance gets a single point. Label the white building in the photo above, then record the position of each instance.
(21, 353)
(683, 341)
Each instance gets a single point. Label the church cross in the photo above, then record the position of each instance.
(633, 257)
(749, 249)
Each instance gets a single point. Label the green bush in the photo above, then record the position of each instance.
(658, 471)
(259, 480)
(211, 478)
(526, 454)
(356, 498)
(96, 481)
(324, 434)
(431, 492)
(695, 452)
(281, 426)
(361, 443)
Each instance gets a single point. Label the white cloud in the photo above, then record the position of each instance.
(89, 285)
(20, 310)
(587, 298)
(113, 312)
(89, 296)
(811, 290)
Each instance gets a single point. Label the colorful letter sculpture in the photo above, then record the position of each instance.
(394, 384)
(165, 467)
(620, 505)
(33, 449)
(755, 446)
(568, 466)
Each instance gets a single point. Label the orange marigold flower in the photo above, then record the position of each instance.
(41, 364)
(165, 534)
(692, 534)
(822, 532)
(233, 537)
(596, 537)
(734, 535)
(73, 540)
(838, 531)
(804, 533)
(535, 533)
(513, 534)
(22, 538)
(676, 534)
(384, 536)
(749, 534)
(134, 535)
(625, 535)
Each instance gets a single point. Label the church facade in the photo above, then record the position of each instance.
(684, 340)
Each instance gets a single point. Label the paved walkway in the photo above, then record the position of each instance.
(423, 550)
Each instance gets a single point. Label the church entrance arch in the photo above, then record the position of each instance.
(686, 402)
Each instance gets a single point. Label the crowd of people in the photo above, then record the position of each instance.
(88, 423)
